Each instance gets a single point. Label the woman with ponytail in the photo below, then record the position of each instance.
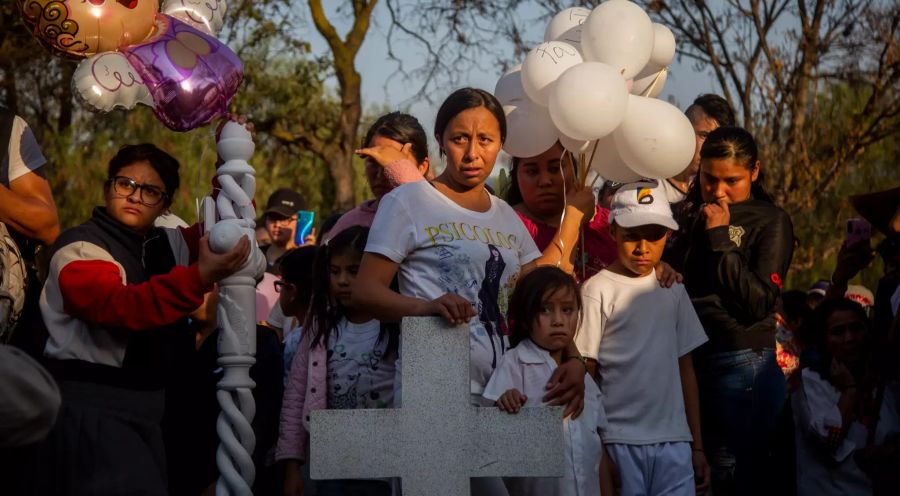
(740, 248)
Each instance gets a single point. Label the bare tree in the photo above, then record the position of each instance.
(335, 145)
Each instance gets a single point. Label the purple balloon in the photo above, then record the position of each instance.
(191, 75)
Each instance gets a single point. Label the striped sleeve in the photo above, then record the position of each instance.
(93, 289)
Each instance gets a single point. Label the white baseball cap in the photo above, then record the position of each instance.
(640, 204)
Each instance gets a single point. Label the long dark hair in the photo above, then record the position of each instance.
(464, 99)
(402, 128)
(729, 142)
(526, 301)
(325, 314)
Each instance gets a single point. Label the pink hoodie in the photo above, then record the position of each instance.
(305, 392)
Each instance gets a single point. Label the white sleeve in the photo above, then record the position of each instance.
(507, 375)
(24, 153)
(393, 232)
(817, 416)
(590, 329)
(688, 329)
(528, 250)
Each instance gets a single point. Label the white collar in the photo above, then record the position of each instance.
(531, 353)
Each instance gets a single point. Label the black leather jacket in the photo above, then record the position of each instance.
(734, 275)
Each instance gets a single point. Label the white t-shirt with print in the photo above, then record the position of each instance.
(528, 368)
(444, 248)
(360, 374)
(637, 330)
(24, 153)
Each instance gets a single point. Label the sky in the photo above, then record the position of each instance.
(684, 83)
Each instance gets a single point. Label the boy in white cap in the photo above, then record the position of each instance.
(638, 338)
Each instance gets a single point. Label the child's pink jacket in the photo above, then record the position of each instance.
(305, 392)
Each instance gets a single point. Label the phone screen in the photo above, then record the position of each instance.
(305, 219)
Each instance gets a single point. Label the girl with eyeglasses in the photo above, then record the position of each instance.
(118, 291)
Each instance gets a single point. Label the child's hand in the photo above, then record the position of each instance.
(701, 471)
(511, 401)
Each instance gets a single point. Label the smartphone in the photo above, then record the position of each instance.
(305, 219)
(858, 231)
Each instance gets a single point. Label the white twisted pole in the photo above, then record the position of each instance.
(228, 218)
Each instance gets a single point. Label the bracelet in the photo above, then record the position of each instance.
(699, 450)
(581, 359)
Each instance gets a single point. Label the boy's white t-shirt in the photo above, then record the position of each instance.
(444, 248)
(527, 368)
(360, 372)
(637, 331)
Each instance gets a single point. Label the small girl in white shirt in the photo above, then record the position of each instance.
(543, 315)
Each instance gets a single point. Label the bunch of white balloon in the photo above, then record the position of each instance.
(592, 85)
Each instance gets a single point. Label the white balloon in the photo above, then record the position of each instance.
(663, 46)
(608, 162)
(588, 101)
(509, 87)
(566, 26)
(646, 78)
(575, 146)
(107, 80)
(656, 139)
(543, 66)
(620, 34)
(206, 15)
(529, 130)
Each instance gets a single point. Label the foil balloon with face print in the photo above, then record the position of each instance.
(134, 54)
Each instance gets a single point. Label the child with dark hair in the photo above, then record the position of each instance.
(544, 313)
(638, 337)
(345, 360)
(846, 411)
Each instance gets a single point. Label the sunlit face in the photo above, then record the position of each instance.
(281, 229)
(726, 178)
(554, 327)
(130, 210)
(845, 336)
(703, 125)
(543, 181)
(471, 143)
(342, 270)
(86, 27)
(640, 248)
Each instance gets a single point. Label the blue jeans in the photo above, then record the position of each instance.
(741, 396)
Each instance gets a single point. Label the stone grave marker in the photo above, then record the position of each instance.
(437, 441)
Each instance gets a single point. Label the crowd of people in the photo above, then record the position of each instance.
(653, 312)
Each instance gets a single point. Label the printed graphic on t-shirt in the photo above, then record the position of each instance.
(352, 377)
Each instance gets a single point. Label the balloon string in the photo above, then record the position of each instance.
(655, 80)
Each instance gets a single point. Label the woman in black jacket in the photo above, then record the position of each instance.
(740, 250)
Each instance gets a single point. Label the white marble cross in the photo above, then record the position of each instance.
(437, 441)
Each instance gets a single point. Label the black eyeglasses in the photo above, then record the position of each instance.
(150, 196)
